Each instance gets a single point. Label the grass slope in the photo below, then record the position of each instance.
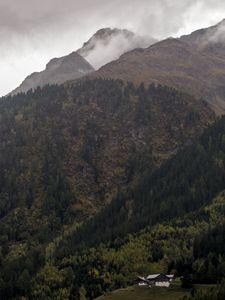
(175, 292)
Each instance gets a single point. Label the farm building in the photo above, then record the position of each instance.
(159, 280)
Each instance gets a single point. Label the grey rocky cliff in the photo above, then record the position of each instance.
(58, 71)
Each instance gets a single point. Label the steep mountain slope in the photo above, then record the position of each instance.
(57, 71)
(169, 247)
(104, 46)
(109, 44)
(184, 63)
(209, 39)
(186, 182)
(183, 244)
(95, 134)
(65, 152)
(193, 181)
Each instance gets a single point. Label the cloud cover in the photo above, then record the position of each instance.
(31, 33)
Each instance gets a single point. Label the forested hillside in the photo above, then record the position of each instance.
(84, 143)
(183, 184)
(112, 157)
(187, 244)
(66, 152)
(170, 247)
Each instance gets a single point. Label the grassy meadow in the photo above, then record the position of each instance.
(175, 292)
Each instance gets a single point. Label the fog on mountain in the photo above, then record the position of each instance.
(112, 171)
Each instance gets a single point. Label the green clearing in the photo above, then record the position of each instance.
(175, 292)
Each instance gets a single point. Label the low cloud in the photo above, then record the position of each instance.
(112, 45)
(32, 33)
(218, 36)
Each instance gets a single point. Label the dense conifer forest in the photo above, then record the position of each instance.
(101, 181)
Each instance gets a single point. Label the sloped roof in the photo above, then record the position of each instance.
(153, 276)
(142, 278)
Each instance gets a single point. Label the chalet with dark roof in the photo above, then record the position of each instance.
(159, 280)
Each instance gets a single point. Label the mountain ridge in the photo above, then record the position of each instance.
(177, 62)
(57, 71)
(110, 43)
(105, 45)
(85, 166)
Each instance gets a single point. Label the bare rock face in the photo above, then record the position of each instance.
(109, 44)
(57, 71)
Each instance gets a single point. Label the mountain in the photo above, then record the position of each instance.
(180, 209)
(194, 63)
(103, 179)
(185, 183)
(104, 46)
(210, 39)
(109, 44)
(57, 71)
(194, 242)
(67, 152)
(94, 133)
(182, 206)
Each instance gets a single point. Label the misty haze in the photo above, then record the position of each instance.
(112, 150)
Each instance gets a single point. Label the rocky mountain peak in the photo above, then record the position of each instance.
(104, 46)
(109, 44)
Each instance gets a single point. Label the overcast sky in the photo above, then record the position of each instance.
(32, 32)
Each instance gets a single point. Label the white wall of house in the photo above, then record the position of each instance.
(162, 283)
(142, 283)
